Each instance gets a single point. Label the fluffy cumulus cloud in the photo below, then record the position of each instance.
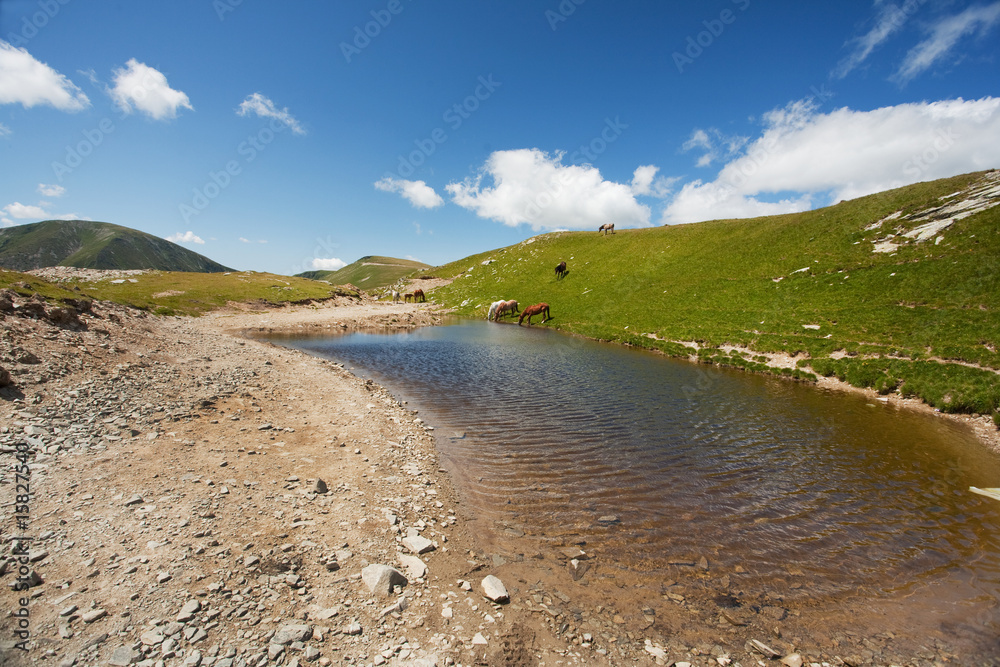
(24, 211)
(417, 193)
(186, 237)
(28, 82)
(259, 105)
(138, 86)
(646, 182)
(976, 21)
(804, 158)
(328, 264)
(714, 145)
(529, 186)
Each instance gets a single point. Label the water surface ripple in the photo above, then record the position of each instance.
(756, 473)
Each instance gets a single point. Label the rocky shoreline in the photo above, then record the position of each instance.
(196, 497)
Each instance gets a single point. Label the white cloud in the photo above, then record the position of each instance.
(417, 193)
(889, 20)
(146, 89)
(804, 158)
(6, 222)
(26, 81)
(243, 240)
(715, 144)
(645, 182)
(530, 186)
(186, 237)
(261, 106)
(328, 264)
(51, 190)
(944, 36)
(4, 130)
(24, 211)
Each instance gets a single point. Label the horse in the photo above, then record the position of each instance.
(408, 296)
(492, 314)
(395, 296)
(419, 294)
(561, 270)
(606, 227)
(507, 307)
(537, 309)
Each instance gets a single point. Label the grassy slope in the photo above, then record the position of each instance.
(96, 245)
(713, 283)
(369, 272)
(178, 293)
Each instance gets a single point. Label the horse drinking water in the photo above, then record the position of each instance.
(506, 307)
(538, 309)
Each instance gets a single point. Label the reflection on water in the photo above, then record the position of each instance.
(652, 461)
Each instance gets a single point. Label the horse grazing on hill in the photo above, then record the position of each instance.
(419, 294)
(561, 270)
(606, 227)
(494, 307)
(506, 307)
(538, 309)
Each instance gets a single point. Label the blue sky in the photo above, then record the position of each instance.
(284, 137)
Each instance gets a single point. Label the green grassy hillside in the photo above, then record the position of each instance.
(95, 245)
(177, 293)
(369, 272)
(809, 284)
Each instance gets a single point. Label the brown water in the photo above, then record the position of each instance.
(790, 493)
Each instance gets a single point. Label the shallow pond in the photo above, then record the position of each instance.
(814, 498)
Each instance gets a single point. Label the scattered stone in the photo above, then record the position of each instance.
(188, 611)
(319, 487)
(381, 579)
(764, 649)
(792, 660)
(494, 589)
(292, 633)
(94, 615)
(414, 567)
(123, 656)
(418, 544)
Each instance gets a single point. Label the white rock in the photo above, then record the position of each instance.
(380, 579)
(494, 589)
(414, 567)
(418, 544)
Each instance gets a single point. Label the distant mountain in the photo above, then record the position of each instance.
(95, 245)
(369, 272)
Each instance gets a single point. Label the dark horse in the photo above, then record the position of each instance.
(561, 270)
(418, 294)
(538, 309)
(606, 227)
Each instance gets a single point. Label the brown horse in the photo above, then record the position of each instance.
(606, 227)
(538, 309)
(419, 294)
(408, 296)
(507, 307)
(561, 270)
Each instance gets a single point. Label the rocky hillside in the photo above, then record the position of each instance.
(95, 245)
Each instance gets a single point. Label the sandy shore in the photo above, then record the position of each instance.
(198, 497)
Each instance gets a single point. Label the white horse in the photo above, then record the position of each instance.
(492, 314)
(395, 296)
